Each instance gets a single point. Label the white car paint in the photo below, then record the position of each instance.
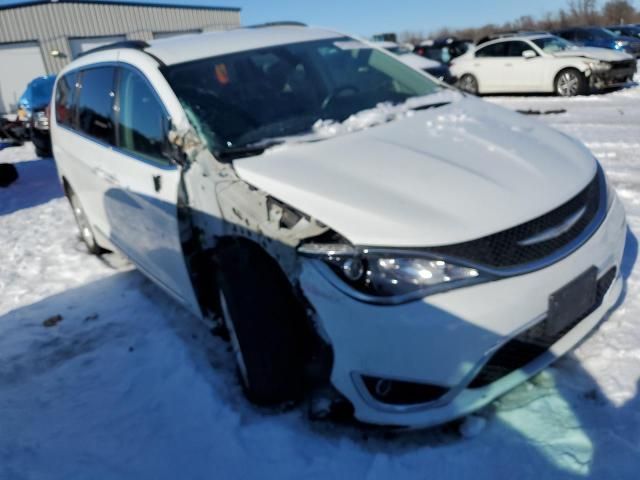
(457, 154)
(454, 173)
(519, 74)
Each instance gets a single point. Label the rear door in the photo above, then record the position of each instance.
(489, 67)
(142, 203)
(84, 108)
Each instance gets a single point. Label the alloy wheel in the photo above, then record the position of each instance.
(568, 84)
(82, 222)
(469, 84)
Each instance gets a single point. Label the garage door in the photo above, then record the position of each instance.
(19, 64)
(79, 45)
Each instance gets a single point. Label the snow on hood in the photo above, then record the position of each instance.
(383, 113)
(603, 54)
(431, 177)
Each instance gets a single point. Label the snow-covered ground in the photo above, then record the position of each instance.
(129, 386)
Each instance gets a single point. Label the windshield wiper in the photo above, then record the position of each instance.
(250, 150)
(430, 105)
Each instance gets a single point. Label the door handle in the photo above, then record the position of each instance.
(157, 183)
(508, 65)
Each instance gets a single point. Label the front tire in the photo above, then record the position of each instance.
(570, 82)
(264, 321)
(468, 83)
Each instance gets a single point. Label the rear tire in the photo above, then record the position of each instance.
(570, 82)
(468, 83)
(84, 225)
(264, 321)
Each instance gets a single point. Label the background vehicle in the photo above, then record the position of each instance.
(432, 67)
(601, 38)
(443, 50)
(540, 63)
(625, 30)
(33, 113)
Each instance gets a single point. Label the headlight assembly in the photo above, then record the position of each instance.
(388, 277)
(597, 66)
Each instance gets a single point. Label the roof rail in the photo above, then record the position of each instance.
(285, 23)
(521, 33)
(134, 44)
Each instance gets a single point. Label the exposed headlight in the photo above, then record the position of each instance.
(379, 276)
(621, 43)
(41, 121)
(599, 66)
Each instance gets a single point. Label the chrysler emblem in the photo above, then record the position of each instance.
(555, 231)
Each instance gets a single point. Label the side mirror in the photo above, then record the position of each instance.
(529, 54)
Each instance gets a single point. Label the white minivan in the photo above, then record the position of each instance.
(364, 233)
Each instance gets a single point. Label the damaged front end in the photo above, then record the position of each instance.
(611, 74)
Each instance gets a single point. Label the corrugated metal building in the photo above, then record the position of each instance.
(41, 37)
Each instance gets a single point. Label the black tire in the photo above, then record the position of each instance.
(265, 323)
(468, 83)
(570, 82)
(43, 153)
(84, 226)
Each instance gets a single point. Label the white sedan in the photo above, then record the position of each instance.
(540, 63)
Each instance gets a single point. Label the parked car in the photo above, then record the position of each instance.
(540, 63)
(625, 30)
(432, 67)
(601, 38)
(443, 50)
(32, 112)
(399, 248)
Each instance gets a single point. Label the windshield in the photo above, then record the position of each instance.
(553, 44)
(244, 98)
(601, 33)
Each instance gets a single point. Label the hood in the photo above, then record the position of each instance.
(595, 53)
(418, 62)
(440, 176)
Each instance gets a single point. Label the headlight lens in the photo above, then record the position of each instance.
(390, 277)
(41, 121)
(599, 66)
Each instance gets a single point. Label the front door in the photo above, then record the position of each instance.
(142, 203)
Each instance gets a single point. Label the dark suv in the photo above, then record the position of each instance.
(602, 38)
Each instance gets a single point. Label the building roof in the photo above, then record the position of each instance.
(187, 48)
(137, 3)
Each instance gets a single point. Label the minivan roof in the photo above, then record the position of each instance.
(195, 46)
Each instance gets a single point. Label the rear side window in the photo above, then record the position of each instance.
(95, 104)
(65, 94)
(515, 49)
(142, 121)
(495, 50)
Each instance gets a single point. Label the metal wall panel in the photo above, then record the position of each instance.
(53, 24)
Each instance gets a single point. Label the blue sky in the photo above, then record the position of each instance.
(365, 17)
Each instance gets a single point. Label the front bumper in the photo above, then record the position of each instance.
(619, 74)
(446, 339)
